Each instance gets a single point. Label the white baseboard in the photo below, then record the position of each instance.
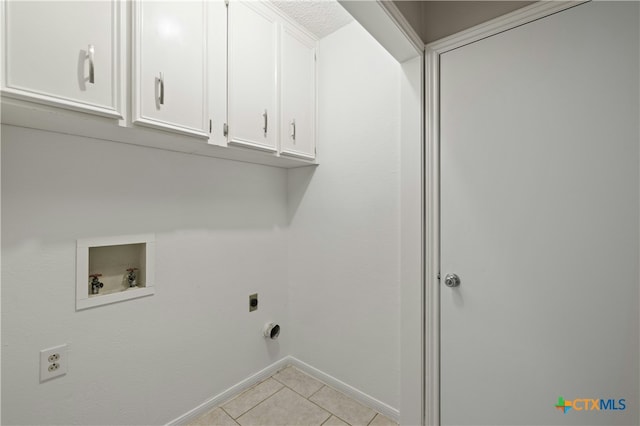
(348, 390)
(234, 390)
(270, 370)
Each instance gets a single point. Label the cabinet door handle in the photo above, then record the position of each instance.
(91, 52)
(293, 132)
(161, 91)
(266, 122)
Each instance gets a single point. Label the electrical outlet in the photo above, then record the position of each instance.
(253, 302)
(53, 362)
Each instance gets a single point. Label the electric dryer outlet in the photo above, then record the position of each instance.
(253, 302)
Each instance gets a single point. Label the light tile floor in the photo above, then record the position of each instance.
(291, 397)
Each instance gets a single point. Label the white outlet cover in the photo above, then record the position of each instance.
(63, 362)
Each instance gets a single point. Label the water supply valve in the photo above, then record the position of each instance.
(131, 277)
(96, 285)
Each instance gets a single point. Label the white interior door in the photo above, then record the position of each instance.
(540, 221)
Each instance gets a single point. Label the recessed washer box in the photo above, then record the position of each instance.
(111, 260)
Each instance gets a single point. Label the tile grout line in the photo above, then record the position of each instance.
(284, 385)
(326, 409)
(333, 415)
(375, 413)
(290, 388)
(322, 408)
(323, 385)
(308, 397)
(230, 416)
(298, 393)
(371, 421)
(302, 396)
(259, 402)
(319, 406)
(264, 400)
(273, 394)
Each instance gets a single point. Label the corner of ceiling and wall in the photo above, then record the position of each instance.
(434, 20)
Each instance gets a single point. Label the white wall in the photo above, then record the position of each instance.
(332, 279)
(411, 254)
(345, 225)
(220, 236)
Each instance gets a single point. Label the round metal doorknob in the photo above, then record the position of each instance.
(451, 280)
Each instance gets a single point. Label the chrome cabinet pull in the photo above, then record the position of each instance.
(91, 52)
(161, 91)
(293, 133)
(266, 122)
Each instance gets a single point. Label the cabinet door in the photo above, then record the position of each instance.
(217, 46)
(252, 76)
(170, 66)
(63, 54)
(298, 94)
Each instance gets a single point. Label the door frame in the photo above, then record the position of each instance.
(431, 185)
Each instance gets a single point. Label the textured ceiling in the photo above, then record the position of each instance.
(320, 17)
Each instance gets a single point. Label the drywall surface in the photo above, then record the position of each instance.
(412, 296)
(220, 236)
(344, 234)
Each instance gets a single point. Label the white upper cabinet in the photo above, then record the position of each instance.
(170, 74)
(63, 54)
(297, 94)
(217, 67)
(253, 118)
(170, 66)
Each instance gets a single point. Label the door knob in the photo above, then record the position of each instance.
(451, 280)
